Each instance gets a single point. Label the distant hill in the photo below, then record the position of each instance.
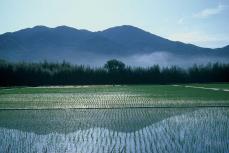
(85, 47)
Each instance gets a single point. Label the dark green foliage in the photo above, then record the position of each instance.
(114, 66)
(113, 72)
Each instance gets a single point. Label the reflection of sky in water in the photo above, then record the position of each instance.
(71, 120)
(202, 130)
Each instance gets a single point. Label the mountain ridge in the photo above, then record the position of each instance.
(66, 43)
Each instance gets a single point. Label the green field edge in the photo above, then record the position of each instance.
(129, 107)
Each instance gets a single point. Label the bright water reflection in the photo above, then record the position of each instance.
(115, 130)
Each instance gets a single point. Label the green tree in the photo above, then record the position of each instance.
(114, 66)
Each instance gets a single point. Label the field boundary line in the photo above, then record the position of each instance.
(199, 87)
(131, 107)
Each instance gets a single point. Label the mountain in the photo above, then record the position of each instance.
(136, 39)
(85, 47)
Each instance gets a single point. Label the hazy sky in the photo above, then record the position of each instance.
(201, 22)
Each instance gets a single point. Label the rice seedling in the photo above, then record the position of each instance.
(110, 97)
(117, 119)
(184, 130)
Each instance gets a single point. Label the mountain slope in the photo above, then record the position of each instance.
(74, 45)
(137, 39)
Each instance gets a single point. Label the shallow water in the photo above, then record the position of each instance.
(140, 130)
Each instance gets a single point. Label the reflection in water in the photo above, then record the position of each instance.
(71, 120)
(115, 130)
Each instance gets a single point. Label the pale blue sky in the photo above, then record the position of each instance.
(201, 22)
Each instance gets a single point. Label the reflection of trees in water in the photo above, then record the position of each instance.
(70, 120)
(202, 130)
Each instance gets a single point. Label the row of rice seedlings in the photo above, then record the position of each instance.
(204, 130)
(82, 100)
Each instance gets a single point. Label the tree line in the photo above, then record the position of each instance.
(113, 72)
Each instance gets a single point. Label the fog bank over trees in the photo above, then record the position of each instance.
(113, 72)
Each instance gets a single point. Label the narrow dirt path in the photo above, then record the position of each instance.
(205, 88)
